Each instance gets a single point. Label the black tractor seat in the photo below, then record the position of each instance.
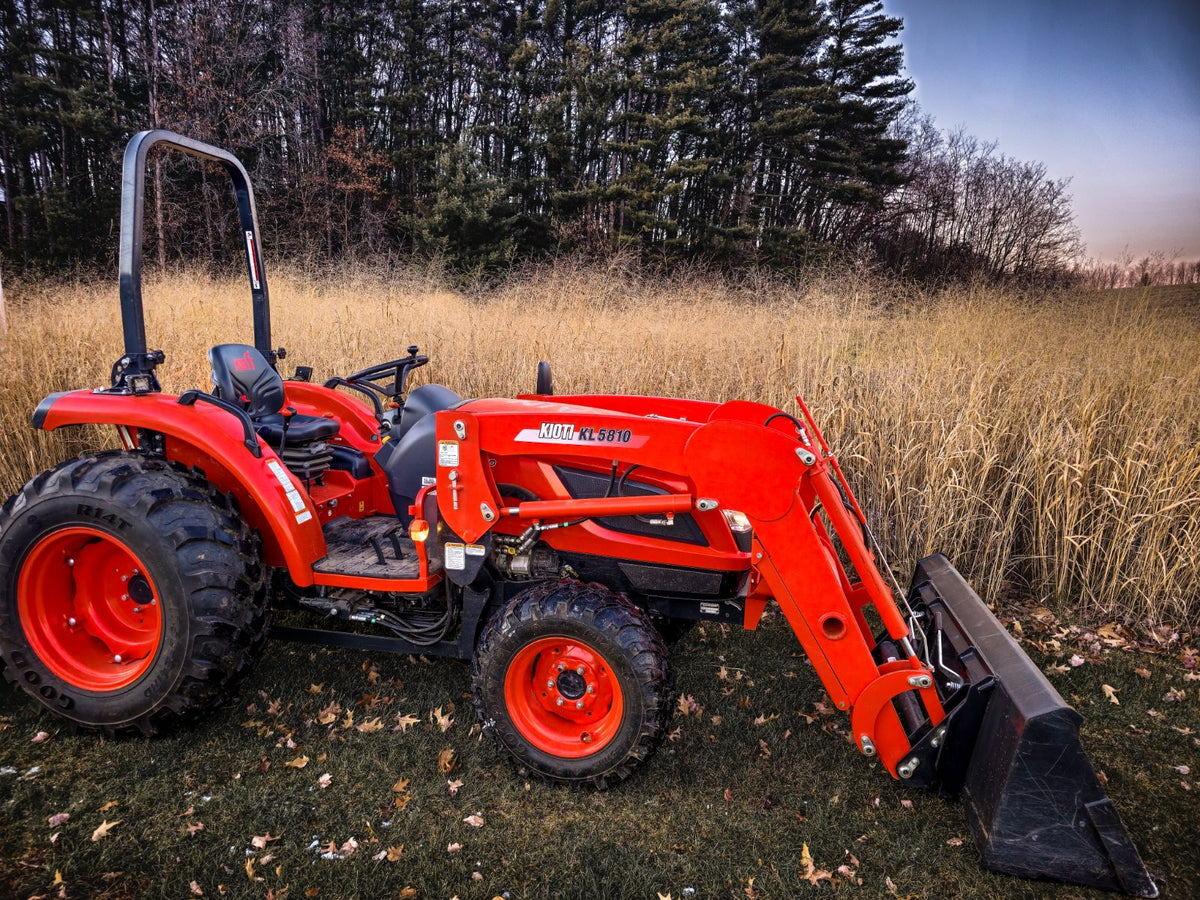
(242, 375)
(300, 429)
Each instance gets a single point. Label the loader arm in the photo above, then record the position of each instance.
(941, 693)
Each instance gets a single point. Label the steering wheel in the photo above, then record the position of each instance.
(366, 381)
(397, 370)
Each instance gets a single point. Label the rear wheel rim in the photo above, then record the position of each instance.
(563, 697)
(89, 609)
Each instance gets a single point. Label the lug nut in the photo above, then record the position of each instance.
(124, 596)
(579, 670)
(579, 704)
(591, 689)
(549, 682)
(137, 609)
(124, 577)
(561, 667)
(560, 701)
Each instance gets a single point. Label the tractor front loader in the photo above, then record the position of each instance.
(557, 542)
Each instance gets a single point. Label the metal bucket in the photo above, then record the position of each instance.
(1010, 746)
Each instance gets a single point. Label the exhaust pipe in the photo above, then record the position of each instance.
(1010, 746)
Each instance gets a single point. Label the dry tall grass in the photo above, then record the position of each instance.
(1049, 445)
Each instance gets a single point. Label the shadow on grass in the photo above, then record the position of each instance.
(723, 802)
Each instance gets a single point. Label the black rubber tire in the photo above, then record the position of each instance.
(202, 557)
(620, 631)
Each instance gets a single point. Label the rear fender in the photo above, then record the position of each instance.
(209, 438)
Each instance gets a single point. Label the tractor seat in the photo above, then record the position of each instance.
(242, 374)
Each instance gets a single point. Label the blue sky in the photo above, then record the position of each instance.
(1105, 92)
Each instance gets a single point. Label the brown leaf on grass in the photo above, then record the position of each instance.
(394, 853)
(316, 688)
(1174, 695)
(187, 812)
(39, 737)
(328, 715)
(1182, 770)
(955, 842)
(453, 786)
(195, 889)
(111, 804)
(1060, 669)
(275, 707)
(727, 796)
(687, 706)
(105, 827)
(1102, 777)
(453, 848)
(891, 886)
(1111, 693)
(1142, 673)
(370, 726)
(191, 828)
(260, 841)
(58, 819)
(349, 848)
(325, 780)
(373, 674)
(298, 763)
(811, 873)
(405, 722)
(348, 720)
(401, 786)
(447, 761)
(444, 722)
(475, 820)
(408, 892)
(763, 720)
(1077, 660)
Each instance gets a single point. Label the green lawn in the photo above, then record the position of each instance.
(723, 810)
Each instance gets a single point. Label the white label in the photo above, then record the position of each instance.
(428, 481)
(303, 517)
(253, 260)
(447, 453)
(281, 476)
(475, 550)
(454, 556)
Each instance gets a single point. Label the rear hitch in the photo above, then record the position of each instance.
(1010, 745)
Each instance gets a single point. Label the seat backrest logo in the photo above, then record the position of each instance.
(245, 363)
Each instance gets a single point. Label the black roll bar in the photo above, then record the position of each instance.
(135, 372)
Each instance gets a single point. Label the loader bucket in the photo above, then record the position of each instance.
(1010, 744)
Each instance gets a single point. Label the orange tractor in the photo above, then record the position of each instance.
(557, 542)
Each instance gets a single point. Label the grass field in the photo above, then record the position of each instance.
(1049, 445)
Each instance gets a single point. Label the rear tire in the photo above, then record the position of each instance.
(591, 727)
(117, 552)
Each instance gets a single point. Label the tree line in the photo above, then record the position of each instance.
(772, 132)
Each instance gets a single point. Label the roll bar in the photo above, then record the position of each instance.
(134, 373)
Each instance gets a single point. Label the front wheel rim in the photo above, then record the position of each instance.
(89, 609)
(564, 697)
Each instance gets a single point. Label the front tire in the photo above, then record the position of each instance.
(131, 593)
(574, 683)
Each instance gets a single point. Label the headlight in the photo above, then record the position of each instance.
(737, 521)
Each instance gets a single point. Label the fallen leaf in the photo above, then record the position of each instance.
(1142, 673)
(298, 763)
(393, 853)
(401, 785)
(1174, 695)
(104, 829)
(329, 714)
(250, 868)
(408, 892)
(405, 722)
(58, 819)
(111, 804)
(447, 760)
(1077, 660)
(380, 856)
(349, 848)
(891, 885)
(260, 841)
(453, 786)
(444, 722)
(195, 889)
(316, 688)
(348, 719)
(907, 804)
(811, 873)
(39, 737)
(192, 828)
(325, 780)
(475, 821)
(1182, 770)
(763, 720)
(955, 842)
(1111, 693)
(453, 848)
(369, 726)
